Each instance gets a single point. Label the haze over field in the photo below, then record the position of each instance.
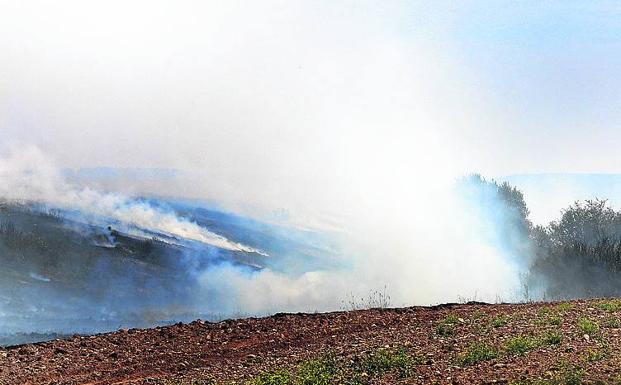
(336, 135)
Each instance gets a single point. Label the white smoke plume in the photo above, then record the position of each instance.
(28, 175)
(345, 116)
(431, 247)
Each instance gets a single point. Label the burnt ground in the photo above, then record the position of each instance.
(561, 343)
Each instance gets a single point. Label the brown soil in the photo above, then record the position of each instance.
(241, 349)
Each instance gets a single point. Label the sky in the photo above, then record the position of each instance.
(314, 104)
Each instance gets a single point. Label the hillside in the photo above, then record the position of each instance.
(66, 272)
(553, 343)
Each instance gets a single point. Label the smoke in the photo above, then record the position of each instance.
(437, 245)
(28, 175)
(352, 119)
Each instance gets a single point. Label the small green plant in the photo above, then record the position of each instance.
(500, 321)
(384, 360)
(322, 371)
(564, 307)
(477, 314)
(317, 372)
(611, 306)
(445, 330)
(588, 327)
(551, 338)
(477, 352)
(280, 377)
(570, 375)
(612, 323)
(544, 311)
(446, 327)
(555, 320)
(520, 345)
(592, 355)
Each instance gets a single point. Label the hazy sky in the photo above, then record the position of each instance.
(280, 100)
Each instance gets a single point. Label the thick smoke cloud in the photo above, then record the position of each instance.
(420, 251)
(348, 118)
(313, 108)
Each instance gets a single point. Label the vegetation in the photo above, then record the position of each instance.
(551, 338)
(384, 360)
(577, 256)
(477, 352)
(612, 323)
(328, 370)
(376, 299)
(588, 327)
(611, 306)
(522, 344)
(446, 327)
(500, 321)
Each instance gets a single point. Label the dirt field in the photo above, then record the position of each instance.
(541, 343)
